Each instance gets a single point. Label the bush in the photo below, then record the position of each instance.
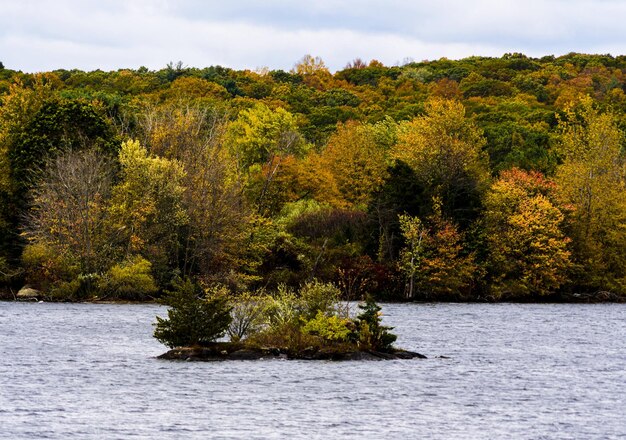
(287, 336)
(195, 317)
(371, 333)
(248, 316)
(65, 290)
(316, 297)
(330, 328)
(45, 267)
(131, 279)
(282, 307)
(288, 312)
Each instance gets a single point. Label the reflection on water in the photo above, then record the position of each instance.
(86, 371)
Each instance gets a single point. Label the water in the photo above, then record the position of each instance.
(86, 371)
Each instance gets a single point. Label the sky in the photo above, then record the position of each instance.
(42, 35)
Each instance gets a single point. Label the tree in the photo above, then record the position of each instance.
(69, 210)
(448, 270)
(260, 133)
(17, 108)
(147, 206)
(527, 250)
(195, 316)
(59, 125)
(436, 265)
(309, 64)
(261, 139)
(413, 232)
(444, 149)
(592, 180)
(356, 161)
(371, 333)
(400, 193)
(212, 199)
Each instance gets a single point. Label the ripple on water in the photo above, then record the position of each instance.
(514, 371)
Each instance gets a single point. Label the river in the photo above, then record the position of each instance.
(520, 371)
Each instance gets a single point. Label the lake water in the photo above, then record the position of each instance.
(85, 371)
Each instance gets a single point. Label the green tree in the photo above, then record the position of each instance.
(260, 133)
(371, 333)
(195, 316)
(261, 139)
(59, 125)
(147, 206)
(400, 193)
(17, 108)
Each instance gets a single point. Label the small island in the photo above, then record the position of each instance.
(310, 323)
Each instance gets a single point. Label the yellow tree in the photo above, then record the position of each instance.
(413, 232)
(260, 138)
(314, 72)
(356, 161)
(592, 180)
(527, 249)
(444, 149)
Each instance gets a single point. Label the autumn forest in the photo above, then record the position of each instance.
(481, 179)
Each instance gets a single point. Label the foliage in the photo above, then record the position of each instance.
(357, 162)
(411, 256)
(371, 333)
(44, 266)
(257, 178)
(69, 212)
(444, 149)
(329, 328)
(216, 213)
(434, 259)
(259, 133)
(196, 316)
(528, 251)
(592, 180)
(249, 315)
(130, 279)
(317, 297)
(58, 126)
(289, 306)
(147, 207)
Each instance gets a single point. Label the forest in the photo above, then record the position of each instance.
(480, 179)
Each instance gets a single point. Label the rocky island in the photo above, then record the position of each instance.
(308, 324)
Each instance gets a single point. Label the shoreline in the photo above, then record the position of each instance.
(228, 351)
(596, 298)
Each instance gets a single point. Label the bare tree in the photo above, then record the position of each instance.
(69, 208)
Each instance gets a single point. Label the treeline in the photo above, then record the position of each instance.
(483, 178)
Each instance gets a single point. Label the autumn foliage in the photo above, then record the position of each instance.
(482, 178)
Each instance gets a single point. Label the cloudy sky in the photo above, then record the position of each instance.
(40, 35)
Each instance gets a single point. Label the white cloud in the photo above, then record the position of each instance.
(89, 34)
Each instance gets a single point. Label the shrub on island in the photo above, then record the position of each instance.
(308, 323)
